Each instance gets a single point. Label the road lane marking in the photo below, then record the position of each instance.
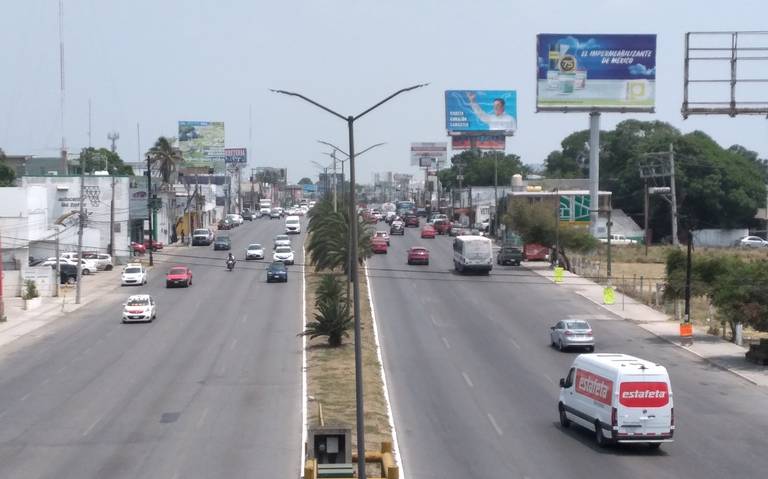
(514, 343)
(202, 419)
(3, 413)
(24, 397)
(495, 426)
(445, 341)
(550, 379)
(45, 382)
(467, 380)
(432, 318)
(90, 428)
(234, 343)
(61, 370)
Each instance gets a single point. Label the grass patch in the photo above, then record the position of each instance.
(331, 376)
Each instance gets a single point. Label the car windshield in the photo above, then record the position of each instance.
(222, 239)
(282, 238)
(283, 249)
(577, 325)
(177, 271)
(138, 302)
(201, 232)
(277, 266)
(254, 246)
(418, 250)
(381, 233)
(132, 270)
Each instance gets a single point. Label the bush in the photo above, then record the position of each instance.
(30, 290)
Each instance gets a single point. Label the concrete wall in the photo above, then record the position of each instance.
(718, 237)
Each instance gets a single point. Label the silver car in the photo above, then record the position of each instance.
(751, 242)
(572, 333)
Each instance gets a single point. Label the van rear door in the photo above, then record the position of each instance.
(644, 408)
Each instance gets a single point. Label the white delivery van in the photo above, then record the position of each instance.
(620, 397)
(265, 207)
(292, 225)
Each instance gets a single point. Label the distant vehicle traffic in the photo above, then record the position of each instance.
(535, 252)
(418, 255)
(178, 276)
(619, 240)
(411, 221)
(277, 272)
(379, 245)
(202, 237)
(472, 253)
(292, 225)
(509, 254)
(222, 242)
(254, 251)
(428, 231)
(274, 213)
(133, 274)
(397, 228)
(281, 240)
(572, 333)
(620, 398)
(265, 207)
(283, 254)
(381, 234)
(139, 307)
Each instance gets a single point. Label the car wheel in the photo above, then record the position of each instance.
(167, 285)
(552, 341)
(409, 262)
(601, 440)
(72, 280)
(560, 345)
(86, 271)
(426, 263)
(108, 267)
(590, 349)
(564, 421)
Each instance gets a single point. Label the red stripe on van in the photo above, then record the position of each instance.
(643, 394)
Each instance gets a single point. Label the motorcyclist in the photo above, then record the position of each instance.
(230, 260)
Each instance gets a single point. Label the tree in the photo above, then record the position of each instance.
(7, 175)
(166, 158)
(101, 159)
(478, 168)
(332, 317)
(537, 223)
(328, 236)
(306, 181)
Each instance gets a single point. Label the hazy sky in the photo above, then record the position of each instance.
(155, 62)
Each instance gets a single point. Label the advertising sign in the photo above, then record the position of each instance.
(235, 155)
(594, 386)
(480, 111)
(426, 162)
(201, 142)
(309, 188)
(595, 72)
(436, 150)
(644, 394)
(481, 142)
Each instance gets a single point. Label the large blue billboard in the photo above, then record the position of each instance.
(595, 72)
(481, 111)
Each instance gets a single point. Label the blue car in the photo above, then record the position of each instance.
(277, 271)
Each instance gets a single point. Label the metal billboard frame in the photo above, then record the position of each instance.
(732, 54)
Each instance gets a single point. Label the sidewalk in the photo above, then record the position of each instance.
(713, 349)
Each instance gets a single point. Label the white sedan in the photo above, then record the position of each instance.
(87, 267)
(139, 307)
(254, 251)
(283, 254)
(133, 274)
(751, 242)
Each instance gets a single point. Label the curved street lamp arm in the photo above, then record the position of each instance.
(384, 100)
(290, 93)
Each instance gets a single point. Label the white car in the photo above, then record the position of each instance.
(751, 242)
(87, 267)
(88, 263)
(235, 218)
(619, 240)
(103, 261)
(133, 274)
(292, 225)
(254, 251)
(139, 307)
(282, 240)
(283, 254)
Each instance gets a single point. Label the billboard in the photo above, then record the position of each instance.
(481, 142)
(435, 150)
(480, 111)
(595, 72)
(201, 142)
(235, 155)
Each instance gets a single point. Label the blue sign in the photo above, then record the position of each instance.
(309, 188)
(596, 72)
(481, 111)
(235, 155)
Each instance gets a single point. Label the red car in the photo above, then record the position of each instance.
(378, 245)
(156, 245)
(412, 220)
(428, 232)
(178, 276)
(418, 255)
(138, 248)
(535, 252)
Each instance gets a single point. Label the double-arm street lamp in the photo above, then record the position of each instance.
(325, 175)
(360, 426)
(336, 149)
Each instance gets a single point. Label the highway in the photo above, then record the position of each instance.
(212, 388)
(474, 382)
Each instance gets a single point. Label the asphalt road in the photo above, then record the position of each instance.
(474, 390)
(211, 389)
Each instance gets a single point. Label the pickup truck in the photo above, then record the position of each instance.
(619, 240)
(509, 254)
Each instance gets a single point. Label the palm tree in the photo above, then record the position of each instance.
(328, 240)
(166, 158)
(332, 318)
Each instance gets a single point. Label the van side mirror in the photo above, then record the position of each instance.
(562, 382)
(552, 328)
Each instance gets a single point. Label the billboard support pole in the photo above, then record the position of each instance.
(594, 170)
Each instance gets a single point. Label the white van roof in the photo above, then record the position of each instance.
(623, 363)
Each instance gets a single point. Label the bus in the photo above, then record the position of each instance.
(405, 207)
(472, 253)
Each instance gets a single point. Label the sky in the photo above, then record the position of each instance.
(153, 63)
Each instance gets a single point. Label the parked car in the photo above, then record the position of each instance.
(202, 237)
(139, 307)
(137, 248)
(178, 276)
(284, 254)
(67, 273)
(89, 264)
(397, 228)
(378, 245)
(751, 242)
(418, 255)
(103, 260)
(535, 252)
(254, 251)
(277, 272)
(572, 333)
(427, 231)
(225, 224)
(411, 221)
(156, 245)
(133, 274)
(86, 268)
(619, 240)
(509, 254)
(236, 219)
(381, 234)
(222, 242)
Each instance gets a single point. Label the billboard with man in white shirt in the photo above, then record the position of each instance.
(481, 111)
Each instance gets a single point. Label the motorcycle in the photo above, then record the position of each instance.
(230, 264)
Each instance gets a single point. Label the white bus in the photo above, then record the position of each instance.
(472, 253)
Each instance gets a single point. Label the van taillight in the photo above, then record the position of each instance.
(672, 416)
(614, 417)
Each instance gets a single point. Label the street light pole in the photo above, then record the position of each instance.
(360, 418)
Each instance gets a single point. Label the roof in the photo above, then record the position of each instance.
(623, 362)
(138, 296)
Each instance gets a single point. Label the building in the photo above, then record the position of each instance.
(24, 165)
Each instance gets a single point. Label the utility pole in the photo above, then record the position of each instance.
(89, 123)
(58, 274)
(645, 215)
(149, 205)
(333, 155)
(496, 195)
(80, 232)
(2, 273)
(687, 313)
(112, 220)
(594, 169)
(675, 240)
(608, 225)
(557, 226)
